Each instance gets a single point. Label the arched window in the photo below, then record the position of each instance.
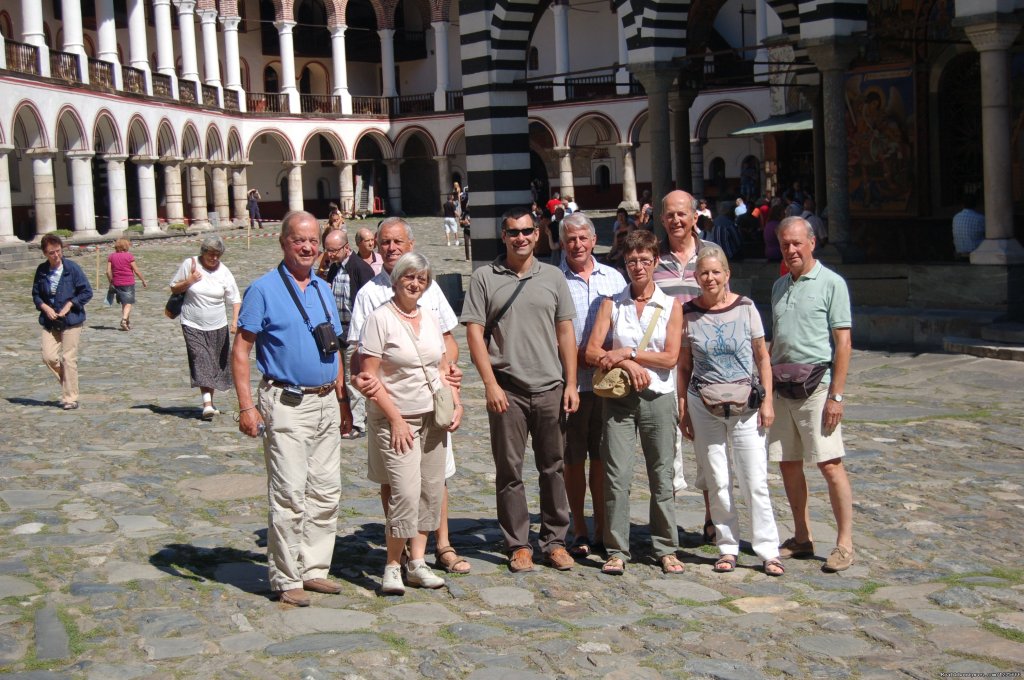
(534, 59)
(270, 80)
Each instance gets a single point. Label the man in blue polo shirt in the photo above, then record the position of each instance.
(301, 409)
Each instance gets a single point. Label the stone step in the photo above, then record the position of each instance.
(984, 348)
(1006, 331)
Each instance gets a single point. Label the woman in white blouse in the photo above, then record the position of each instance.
(650, 407)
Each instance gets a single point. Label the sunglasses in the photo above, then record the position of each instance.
(528, 231)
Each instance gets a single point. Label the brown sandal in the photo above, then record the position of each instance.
(451, 562)
(670, 564)
(773, 567)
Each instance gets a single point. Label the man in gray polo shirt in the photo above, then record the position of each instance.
(532, 346)
(811, 315)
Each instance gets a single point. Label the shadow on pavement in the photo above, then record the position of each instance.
(184, 412)
(25, 401)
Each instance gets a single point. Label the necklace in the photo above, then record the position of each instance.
(407, 315)
(645, 298)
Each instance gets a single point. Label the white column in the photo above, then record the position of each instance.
(74, 39)
(138, 50)
(81, 192)
(394, 166)
(3, 51)
(697, 165)
(993, 40)
(106, 32)
(211, 59)
(232, 65)
(443, 184)
(32, 25)
(187, 36)
(147, 193)
(117, 189)
(221, 205)
(6, 217)
(42, 186)
(565, 178)
(340, 64)
(164, 46)
(284, 32)
(560, 11)
(174, 208)
(294, 184)
(387, 61)
(347, 193)
(622, 73)
(240, 184)
(628, 178)
(761, 32)
(440, 64)
(197, 194)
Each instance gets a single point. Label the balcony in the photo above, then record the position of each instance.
(22, 57)
(394, 107)
(371, 106)
(266, 102)
(599, 87)
(319, 103)
(101, 74)
(162, 86)
(231, 100)
(453, 100)
(134, 79)
(187, 91)
(64, 66)
(209, 95)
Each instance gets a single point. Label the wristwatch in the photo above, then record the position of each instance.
(836, 397)
(632, 354)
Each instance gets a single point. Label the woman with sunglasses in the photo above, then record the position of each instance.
(648, 410)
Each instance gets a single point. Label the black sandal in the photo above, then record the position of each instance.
(709, 534)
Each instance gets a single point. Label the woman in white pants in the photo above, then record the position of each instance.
(723, 349)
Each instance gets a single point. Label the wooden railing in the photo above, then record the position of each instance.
(412, 104)
(453, 100)
(540, 93)
(209, 95)
(134, 79)
(101, 73)
(22, 57)
(319, 103)
(187, 91)
(65, 66)
(266, 102)
(231, 100)
(162, 86)
(371, 106)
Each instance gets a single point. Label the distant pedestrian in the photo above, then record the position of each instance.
(252, 204)
(121, 273)
(451, 210)
(60, 291)
(968, 227)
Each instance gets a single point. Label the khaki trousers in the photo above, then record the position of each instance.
(302, 448)
(60, 354)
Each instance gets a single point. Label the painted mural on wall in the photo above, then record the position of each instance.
(880, 140)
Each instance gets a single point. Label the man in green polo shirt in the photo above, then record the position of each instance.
(812, 318)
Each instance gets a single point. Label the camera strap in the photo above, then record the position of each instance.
(295, 297)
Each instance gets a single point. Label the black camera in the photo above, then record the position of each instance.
(291, 396)
(326, 338)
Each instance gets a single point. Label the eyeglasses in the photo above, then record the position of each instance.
(639, 262)
(528, 231)
(336, 250)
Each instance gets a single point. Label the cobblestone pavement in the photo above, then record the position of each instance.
(133, 536)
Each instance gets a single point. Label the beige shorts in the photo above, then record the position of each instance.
(377, 471)
(797, 432)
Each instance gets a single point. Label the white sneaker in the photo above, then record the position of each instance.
(392, 582)
(421, 576)
(209, 412)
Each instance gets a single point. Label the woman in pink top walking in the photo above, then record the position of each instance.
(121, 272)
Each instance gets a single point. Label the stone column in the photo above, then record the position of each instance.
(74, 38)
(628, 178)
(33, 34)
(6, 216)
(387, 61)
(211, 59)
(340, 64)
(394, 166)
(284, 32)
(138, 50)
(440, 64)
(174, 207)
(187, 36)
(681, 103)
(295, 198)
(621, 73)
(565, 176)
(82, 206)
(197, 194)
(240, 183)
(221, 204)
(992, 39)
(42, 187)
(560, 12)
(347, 193)
(106, 33)
(697, 165)
(818, 137)
(657, 79)
(164, 46)
(232, 65)
(147, 193)
(443, 183)
(118, 192)
(832, 57)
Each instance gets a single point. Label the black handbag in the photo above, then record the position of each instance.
(172, 308)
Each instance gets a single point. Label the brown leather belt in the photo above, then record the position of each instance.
(320, 391)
